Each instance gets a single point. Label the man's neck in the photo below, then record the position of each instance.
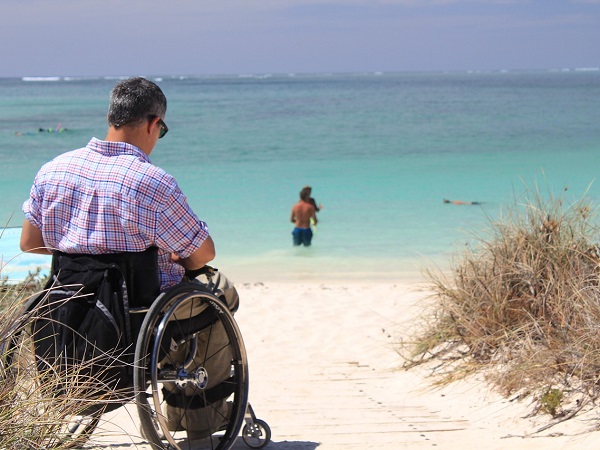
(131, 135)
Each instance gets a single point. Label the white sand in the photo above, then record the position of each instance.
(324, 374)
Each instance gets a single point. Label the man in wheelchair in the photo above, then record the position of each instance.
(108, 198)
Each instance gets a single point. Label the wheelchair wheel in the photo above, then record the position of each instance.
(42, 412)
(256, 434)
(191, 374)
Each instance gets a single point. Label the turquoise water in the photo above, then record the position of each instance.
(381, 151)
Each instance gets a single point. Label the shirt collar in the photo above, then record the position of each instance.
(109, 148)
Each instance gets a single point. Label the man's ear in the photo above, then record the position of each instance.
(151, 124)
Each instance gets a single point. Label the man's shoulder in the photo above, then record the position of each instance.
(71, 153)
(127, 166)
(65, 157)
(305, 206)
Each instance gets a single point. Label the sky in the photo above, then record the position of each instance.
(194, 37)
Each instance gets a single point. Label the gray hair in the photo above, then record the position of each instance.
(134, 100)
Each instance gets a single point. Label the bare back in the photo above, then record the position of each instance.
(302, 212)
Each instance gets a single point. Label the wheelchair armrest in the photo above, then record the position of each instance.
(208, 270)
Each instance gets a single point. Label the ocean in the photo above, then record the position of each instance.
(380, 150)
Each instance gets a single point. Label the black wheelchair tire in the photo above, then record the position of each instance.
(148, 376)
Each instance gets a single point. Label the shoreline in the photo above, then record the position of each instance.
(291, 267)
(17, 268)
(287, 264)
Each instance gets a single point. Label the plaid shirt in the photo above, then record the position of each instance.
(108, 198)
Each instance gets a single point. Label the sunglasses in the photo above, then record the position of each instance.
(164, 129)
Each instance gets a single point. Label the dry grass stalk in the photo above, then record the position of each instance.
(525, 302)
(40, 410)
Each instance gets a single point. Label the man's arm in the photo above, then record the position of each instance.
(32, 240)
(200, 257)
(293, 216)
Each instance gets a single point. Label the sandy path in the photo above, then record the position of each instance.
(324, 374)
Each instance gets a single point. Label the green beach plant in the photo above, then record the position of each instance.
(551, 400)
(522, 305)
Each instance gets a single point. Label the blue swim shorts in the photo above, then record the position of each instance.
(302, 236)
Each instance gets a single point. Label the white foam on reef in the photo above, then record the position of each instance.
(41, 78)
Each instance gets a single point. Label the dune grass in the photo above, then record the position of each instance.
(522, 305)
(47, 408)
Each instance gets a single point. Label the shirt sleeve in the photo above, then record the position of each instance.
(179, 230)
(32, 207)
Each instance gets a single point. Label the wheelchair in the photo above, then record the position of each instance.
(185, 364)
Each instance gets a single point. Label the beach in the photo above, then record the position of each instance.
(381, 152)
(325, 374)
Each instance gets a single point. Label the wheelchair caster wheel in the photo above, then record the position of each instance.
(257, 434)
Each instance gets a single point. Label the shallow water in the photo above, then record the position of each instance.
(381, 152)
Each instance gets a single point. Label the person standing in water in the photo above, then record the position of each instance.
(302, 213)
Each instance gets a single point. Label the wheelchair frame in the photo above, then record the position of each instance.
(185, 336)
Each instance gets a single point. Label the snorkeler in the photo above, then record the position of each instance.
(458, 202)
